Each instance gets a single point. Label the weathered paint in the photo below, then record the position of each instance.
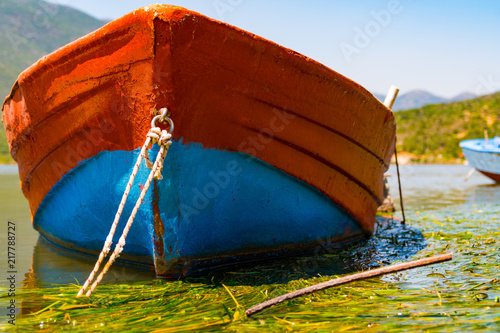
(210, 205)
(483, 157)
(227, 90)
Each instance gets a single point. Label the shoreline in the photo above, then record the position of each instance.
(8, 169)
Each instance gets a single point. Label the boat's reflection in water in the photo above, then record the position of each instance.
(54, 266)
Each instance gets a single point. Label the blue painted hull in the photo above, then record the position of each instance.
(212, 206)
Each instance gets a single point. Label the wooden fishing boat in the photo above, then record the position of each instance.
(484, 156)
(273, 153)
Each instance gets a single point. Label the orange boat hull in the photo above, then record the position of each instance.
(226, 89)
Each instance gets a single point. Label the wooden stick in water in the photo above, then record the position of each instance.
(350, 278)
(390, 98)
(401, 201)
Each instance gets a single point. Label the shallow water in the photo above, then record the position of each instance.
(444, 214)
(436, 187)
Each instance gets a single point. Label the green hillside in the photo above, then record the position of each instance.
(30, 29)
(4, 148)
(436, 130)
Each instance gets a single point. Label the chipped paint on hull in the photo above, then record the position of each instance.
(84, 110)
(212, 206)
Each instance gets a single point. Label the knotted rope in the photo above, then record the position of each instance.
(155, 135)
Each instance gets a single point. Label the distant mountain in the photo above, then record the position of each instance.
(418, 98)
(30, 29)
(463, 97)
(415, 99)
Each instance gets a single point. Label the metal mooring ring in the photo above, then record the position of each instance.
(162, 117)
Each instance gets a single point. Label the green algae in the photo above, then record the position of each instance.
(461, 295)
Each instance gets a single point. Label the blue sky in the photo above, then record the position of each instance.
(444, 46)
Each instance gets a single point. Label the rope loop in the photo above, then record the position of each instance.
(161, 137)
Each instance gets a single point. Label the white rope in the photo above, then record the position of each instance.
(155, 135)
(121, 242)
(109, 240)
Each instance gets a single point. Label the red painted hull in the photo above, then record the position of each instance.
(226, 89)
(493, 176)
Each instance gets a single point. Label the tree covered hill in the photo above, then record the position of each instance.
(30, 29)
(436, 130)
